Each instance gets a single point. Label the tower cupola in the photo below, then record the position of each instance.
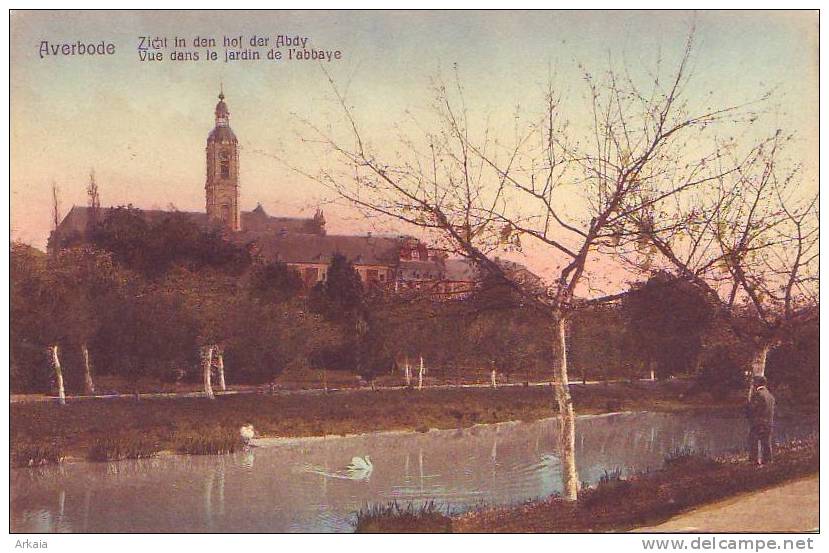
(222, 113)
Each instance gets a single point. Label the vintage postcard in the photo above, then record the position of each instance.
(549, 272)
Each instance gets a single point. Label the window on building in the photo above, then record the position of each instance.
(224, 165)
(311, 276)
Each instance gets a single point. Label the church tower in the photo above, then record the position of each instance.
(222, 185)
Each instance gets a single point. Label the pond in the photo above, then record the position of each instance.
(304, 485)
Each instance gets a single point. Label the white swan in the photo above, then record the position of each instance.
(359, 469)
(361, 464)
(247, 433)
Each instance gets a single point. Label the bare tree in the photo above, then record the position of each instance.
(207, 367)
(53, 355)
(55, 207)
(220, 366)
(208, 298)
(569, 189)
(94, 200)
(53, 349)
(88, 382)
(750, 240)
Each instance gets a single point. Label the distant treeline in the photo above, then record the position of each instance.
(141, 299)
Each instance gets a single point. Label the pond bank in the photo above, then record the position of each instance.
(154, 425)
(616, 504)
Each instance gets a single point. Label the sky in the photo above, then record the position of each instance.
(142, 126)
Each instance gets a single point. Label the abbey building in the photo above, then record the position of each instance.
(396, 262)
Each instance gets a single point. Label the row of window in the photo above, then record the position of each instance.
(311, 275)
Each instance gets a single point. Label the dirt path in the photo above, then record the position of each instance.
(791, 507)
(32, 398)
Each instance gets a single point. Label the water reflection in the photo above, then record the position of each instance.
(270, 489)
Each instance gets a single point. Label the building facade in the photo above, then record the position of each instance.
(396, 263)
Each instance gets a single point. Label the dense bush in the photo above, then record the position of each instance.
(148, 294)
(122, 447)
(666, 319)
(175, 239)
(722, 370)
(792, 368)
(211, 442)
(145, 295)
(27, 454)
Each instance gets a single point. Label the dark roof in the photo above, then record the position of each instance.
(311, 248)
(259, 221)
(77, 221)
(221, 107)
(462, 269)
(221, 134)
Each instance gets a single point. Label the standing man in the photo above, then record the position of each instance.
(760, 420)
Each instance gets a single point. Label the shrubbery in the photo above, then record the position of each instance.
(145, 296)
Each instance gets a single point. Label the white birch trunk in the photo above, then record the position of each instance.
(758, 366)
(408, 373)
(569, 474)
(494, 378)
(88, 384)
(207, 365)
(58, 374)
(420, 375)
(220, 364)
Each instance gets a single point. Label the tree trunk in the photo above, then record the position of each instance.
(58, 374)
(420, 375)
(569, 474)
(207, 366)
(220, 364)
(494, 378)
(88, 384)
(758, 366)
(408, 373)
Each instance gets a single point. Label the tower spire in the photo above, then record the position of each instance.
(222, 113)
